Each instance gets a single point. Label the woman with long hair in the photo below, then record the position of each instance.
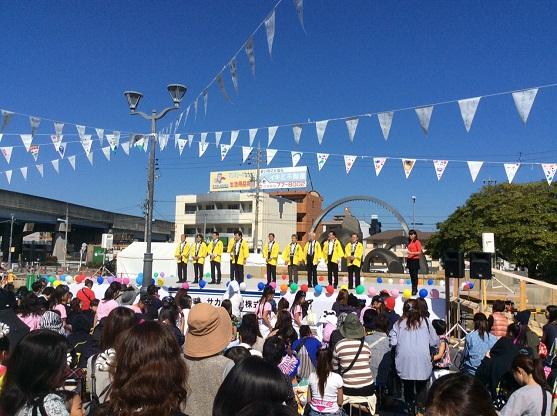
(412, 337)
(108, 302)
(284, 328)
(150, 374)
(250, 337)
(476, 344)
(325, 387)
(296, 309)
(35, 376)
(30, 311)
(264, 309)
(340, 305)
(169, 315)
(533, 398)
(58, 302)
(414, 248)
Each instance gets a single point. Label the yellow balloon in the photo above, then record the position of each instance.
(407, 293)
(56, 283)
(390, 281)
(345, 287)
(160, 282)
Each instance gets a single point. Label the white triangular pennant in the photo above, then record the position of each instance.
(271, 155)
(224, 148)
(86, 142)
(296, 156)
(424, 116)
(246, 152)
(58, 128)
(126, 148)
(250, 54)
(111, 141)
(27, 139)
(378, 163)
(297, 130)
(56, 140)
(71, 160)
(234, 73)
(523, 100)
(181, 145)
(106, 152)
(61, 149)
(220, 83)
(218, 136)
(202, 148)
(408, 165)
(100, 135)
(40, 168)
(90, 158)
(35, 122)
(23, 171)
(234, 136)
(549, 170)
(55, 165)
(203, 138)
(271, 130)
(34, 150)
(163, 141)
(270, 29)
(351, 125)
(440, 166)
(510, 170)
(205, 99)
(7, 152)
(6, 117)
(190, 139)
(80, 130)
(252, 134)
(468, 109)
(8, 175)
(474, 168)
(320, 127)
(322, 159)
(385, 122)
(300, 12)
(116, 139)
(349, 162)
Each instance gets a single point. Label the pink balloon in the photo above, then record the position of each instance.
(273, 285)
(434, 294)
(371, 291)
(395, 293)
(185, 285)
(126, 281)
(401, 281)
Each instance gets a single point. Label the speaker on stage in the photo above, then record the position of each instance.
(454, 264)
(480, 265)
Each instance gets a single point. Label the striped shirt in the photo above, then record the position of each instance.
(360, 374)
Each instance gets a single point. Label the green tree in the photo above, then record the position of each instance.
(523, 218)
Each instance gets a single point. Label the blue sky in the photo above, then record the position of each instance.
(70, 61)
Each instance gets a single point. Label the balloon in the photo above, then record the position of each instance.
(152, 281)
(407, 293)
(318, 289)
(434, 294)
(139, 280)
(408, 281)
(283, 277)
(471, 284)
(140, 274)
(69, 279)
(202, 283)
(371, 291)
(401, 281)
(283, 288)
(243, 286)
(78, 278)
(110, 279)
(185, 285)
(160, 281)
(430, 281)
(126, 281)
(161, 274)
(395, 293)
(273, 285)
(321, 278)
(56, 283)
(100, 280)
(51, 279)
(248, 276)
(345, 287)
(360, 289)
(62, 277)
(423, 293)
(209, 274)
(293, 287)
(379, 280)
(261, 286)
(304, 288)
(390, 281)
(330, 290)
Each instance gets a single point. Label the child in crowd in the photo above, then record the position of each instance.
(441, 359)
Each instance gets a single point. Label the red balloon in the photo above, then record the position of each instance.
(284, 277)
(330, 289)
(304, 288)
(321, 278)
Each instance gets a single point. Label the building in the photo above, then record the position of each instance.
(227, 212)
(308, 208)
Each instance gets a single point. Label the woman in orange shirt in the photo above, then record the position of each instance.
(413, 259)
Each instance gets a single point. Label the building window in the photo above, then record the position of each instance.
(246, 207)
(209, 207)
(233, 206)
(190, 230)
(190, 208)
(230, 230)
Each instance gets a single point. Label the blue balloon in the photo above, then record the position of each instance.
(139, 280)
(379, 280)
(152, 281)
(202, 283)
(423, 293)
(261, 285)
(63, 277)
(408, 281)
(140, 274)
(100, 280)
(318, 289)
(249, 277)
(430, 282)
(471, 285)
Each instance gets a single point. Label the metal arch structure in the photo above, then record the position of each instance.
(371, 199)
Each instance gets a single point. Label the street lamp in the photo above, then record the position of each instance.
(413, 212)
(177, 92)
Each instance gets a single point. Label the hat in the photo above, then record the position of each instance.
(352, 328)
(522, 317)
(51, 320)
(390, 303)
(127, 297)
(209, 331)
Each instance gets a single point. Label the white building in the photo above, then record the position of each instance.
(227, 212)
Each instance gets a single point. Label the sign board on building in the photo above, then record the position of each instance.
(270, 179)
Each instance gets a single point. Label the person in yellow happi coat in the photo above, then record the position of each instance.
(354, 251)
(332, 254)
(215, 250)
(293, 255)
(239, 254)
(271, 251)
(312, 255)
(198, 253)
(182, 255)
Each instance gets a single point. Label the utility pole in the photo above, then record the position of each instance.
(66, 237)
(413, 212)
(10, 244)
(257, 196)
(204, 225)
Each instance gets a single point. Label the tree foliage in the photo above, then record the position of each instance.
(523, 218)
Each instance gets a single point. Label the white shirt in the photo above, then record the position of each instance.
(354, 248)
(292, 248)
(252, 350)
(182, 245)
(331, 246)
(197, 245)
(237, 247)
(328, 402)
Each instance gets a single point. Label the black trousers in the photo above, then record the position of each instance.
(198, 271)
(413, 267)
(271, 273)
(182, 272)
(332, 271)
(312, 271)
(415, 392)
(353, 272)
(238, 272)
(215, 270)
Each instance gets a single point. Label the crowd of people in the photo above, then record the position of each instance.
(134, 355)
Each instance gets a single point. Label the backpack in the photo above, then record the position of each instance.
(92, 407)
